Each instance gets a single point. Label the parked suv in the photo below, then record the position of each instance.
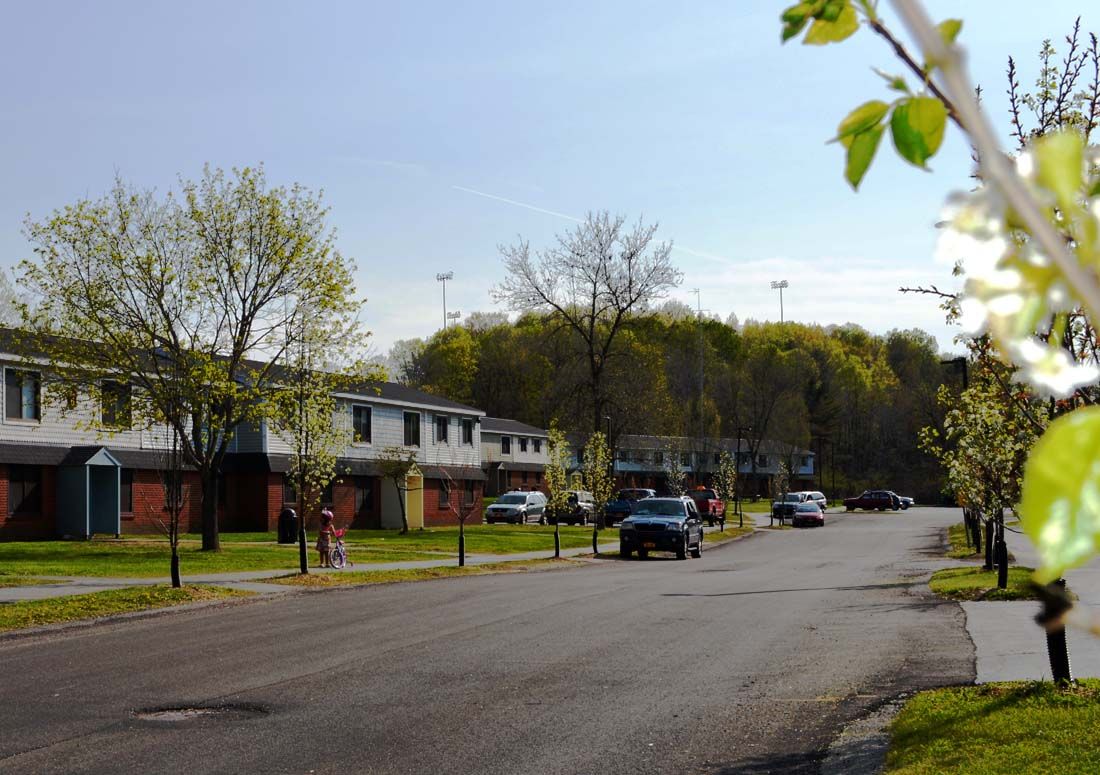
(662, 525)
(873, 499)
(517, 507)
(580, 509)
(786, 508)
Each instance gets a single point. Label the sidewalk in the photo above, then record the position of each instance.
(252, 581)
(1010, 646)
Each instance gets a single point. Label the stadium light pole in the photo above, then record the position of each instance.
(780, 285)
(443, 277)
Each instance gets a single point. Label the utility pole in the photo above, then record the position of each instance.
(780, 285)
(443, 277)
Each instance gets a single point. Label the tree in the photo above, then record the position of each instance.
(463, 512)
(725, 478)
(591, 282)
(597, 478)
(186, 297)
(9, 301)
(446, 365)
(672, 465)
(395, 464)
(557, 480)
(781, 483)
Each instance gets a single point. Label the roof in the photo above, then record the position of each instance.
(502, 425)
(57, 455)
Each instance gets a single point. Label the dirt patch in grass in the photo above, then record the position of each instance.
(1009, 728)
(979, 584)
(357, 578)
(35, 613)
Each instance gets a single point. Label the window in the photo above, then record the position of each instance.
(468, 493)
(659, 457)
(506, 445)
(442, 427)
(117, 412)
(761, 461)
(717, 458)
(412, 429)
(360, 424)
(685, 458)
(126, 491)
(468, 432)
(290, 494)
(538, 477)
(24, 489)
(326, 493)
(805, 461)
(624, 456)
(746, 459)
(444, 494)
(21, 394)
(523, 444)
(538, 445)
(523, 476)
(364, 495)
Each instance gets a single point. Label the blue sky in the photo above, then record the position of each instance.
(690, 114)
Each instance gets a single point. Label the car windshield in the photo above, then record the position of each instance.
(811, 506)
(708, 494)
(507, 499)
(792, 497)
(660, 508)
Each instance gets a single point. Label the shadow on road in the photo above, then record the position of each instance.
(776, 764)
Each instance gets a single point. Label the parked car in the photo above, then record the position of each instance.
(873, 499)
(785, 509)
(579, 510)
(808, 513)
(818, 498)
(906, 501)
(518, 507)
(711, 507)
(662, 525)
(623, 505)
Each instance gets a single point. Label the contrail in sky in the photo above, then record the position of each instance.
(675, 246)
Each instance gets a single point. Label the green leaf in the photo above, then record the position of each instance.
(795, 19)
(895, 82)
(917, 128)
(861, 151)
(864, 117)
(1060, 508)
(823, 31)
(949, 30)
(1059, 158)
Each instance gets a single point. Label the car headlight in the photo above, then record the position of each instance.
(626, 526)
(675, 527)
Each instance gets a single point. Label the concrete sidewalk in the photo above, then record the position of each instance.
(1010, 646)
(252, 581)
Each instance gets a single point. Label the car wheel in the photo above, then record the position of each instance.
(624, 552)
(697, 552)
(882, 508)
(542, 519)
(643, 554)
(849, 508)
(682, 549)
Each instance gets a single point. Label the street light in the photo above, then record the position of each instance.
(454, 316)
(443, 277)
(737, 480)
(779, 285)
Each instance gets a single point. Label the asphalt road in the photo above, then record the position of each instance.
(749, 660)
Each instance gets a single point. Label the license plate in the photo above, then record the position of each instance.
(649, 545)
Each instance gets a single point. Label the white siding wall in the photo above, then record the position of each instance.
(490, 449)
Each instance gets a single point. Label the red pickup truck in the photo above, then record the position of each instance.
(711, 507)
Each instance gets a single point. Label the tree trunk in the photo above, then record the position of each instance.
(461, 544)
(404, 515)
(1002, 553)
(557, 538)
(209, 482)
(1057, 648)
(176, 582)
(303, 557)
(988, 544)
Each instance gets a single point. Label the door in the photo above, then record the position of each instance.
(414, 500)
(367, 514)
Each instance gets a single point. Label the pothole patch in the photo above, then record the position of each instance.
(185, 714)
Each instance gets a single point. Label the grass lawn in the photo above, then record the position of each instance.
(150, 558)
(350, 578)
(34, 613)
(1009, 728)
(19, 581)
(979, 584)
(731, 531)
(480, 539)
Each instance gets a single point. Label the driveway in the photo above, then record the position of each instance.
(749, 660)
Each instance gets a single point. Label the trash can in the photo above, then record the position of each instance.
(288, 526)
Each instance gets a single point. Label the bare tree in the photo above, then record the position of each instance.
(591, 281)
(463, 512)
(395, 464)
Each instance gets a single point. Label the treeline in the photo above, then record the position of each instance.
(856, 399)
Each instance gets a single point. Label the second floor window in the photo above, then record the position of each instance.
(360, 423)
(685, 458)
(761, 461)
(506, 445)
(746, 459)
(117, 412)
(412, 429)
(468, 432)
(538, 445)
(21, 394)
(805, 461)
(523, 445)
(442, 427)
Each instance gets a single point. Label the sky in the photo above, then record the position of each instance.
(440, 131)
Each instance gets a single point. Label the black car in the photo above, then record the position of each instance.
(662, 525)
(623, 505)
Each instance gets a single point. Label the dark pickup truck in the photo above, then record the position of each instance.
(786, 508)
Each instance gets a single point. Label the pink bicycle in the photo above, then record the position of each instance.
(338, 554)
